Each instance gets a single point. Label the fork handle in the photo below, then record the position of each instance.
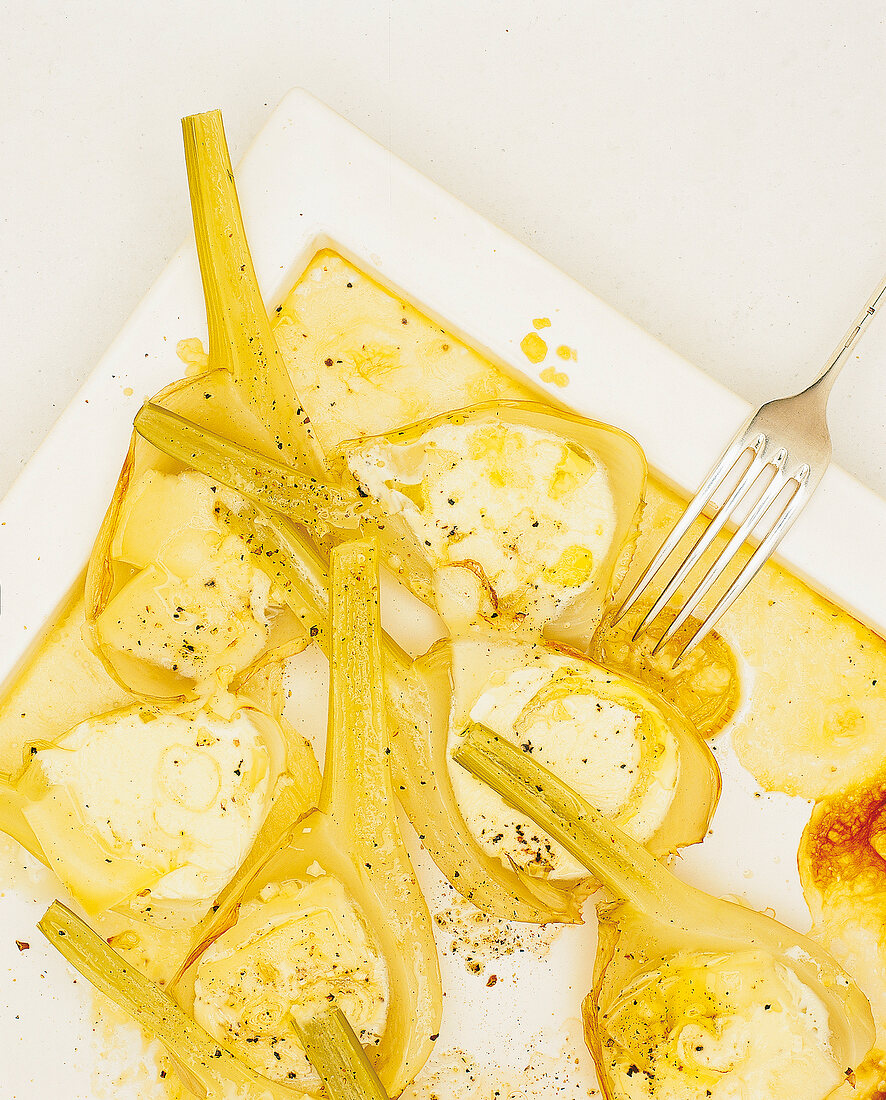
(842, 351)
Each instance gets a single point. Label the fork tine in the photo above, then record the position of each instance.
(696, 506)
(801, 421)
(755, 563)
(741, 490)
(729, 551)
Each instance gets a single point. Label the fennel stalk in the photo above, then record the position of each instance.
(336, 1054)
(624, 866)
(313, 503)
(240, 336)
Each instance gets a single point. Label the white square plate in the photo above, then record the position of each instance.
(312, 180)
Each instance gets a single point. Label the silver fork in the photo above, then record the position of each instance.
(776, 461)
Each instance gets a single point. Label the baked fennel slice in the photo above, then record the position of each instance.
(162, 831)
(508, 516)
(616, 742)
(330, 910)
(668, 792)
(173, 607)
(692, 995)
(207, 1068)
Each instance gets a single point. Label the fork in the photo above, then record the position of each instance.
(775, 462)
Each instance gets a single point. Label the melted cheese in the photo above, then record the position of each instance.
(731, 1027)
(533, 511)
(185, 797)
(294, 949)
(591, 742)
(195, 603)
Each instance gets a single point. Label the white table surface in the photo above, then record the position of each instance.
(715, 172)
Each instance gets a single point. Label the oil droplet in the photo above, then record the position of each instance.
(557, 377)
(565, 352)
(128, 391)
(534, 348)
(193, 355)
(541, 322)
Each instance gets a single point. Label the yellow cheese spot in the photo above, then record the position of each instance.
(570, 472)
(418, 494)
(541, 322)
(534, 348)
(504, 451)
(128, 391)
(574, 568)
(566, 352)
(554, 376)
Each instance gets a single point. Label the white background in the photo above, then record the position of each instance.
(715, 170)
